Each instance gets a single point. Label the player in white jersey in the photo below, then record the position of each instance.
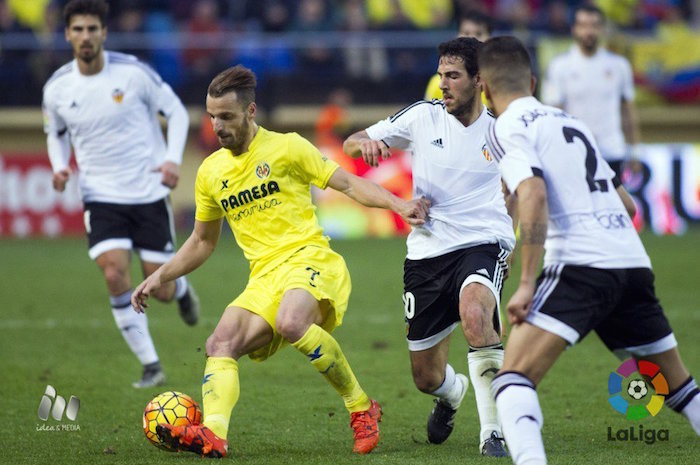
(106, 105)
(457, 261)
(596, 86)
(596, 275)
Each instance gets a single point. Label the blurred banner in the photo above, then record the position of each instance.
(667, 192)
(28, 204)
(666, 65)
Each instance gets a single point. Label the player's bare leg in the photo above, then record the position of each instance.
(238, 332)
(683, 394)
(529, 354)
(180, 290)
(481, 326)
(298, 320)
(133, 326)
(433, 375)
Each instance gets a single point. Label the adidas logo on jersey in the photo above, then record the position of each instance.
(438, 143)
(484, 272)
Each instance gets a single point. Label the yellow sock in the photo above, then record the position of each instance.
(220, 389)
(325, 355)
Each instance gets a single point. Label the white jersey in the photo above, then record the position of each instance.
(588, 223)
(592, 89)
(112, 120)
(451, 168)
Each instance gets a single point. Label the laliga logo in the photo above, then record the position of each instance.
(59, 406)
(637, 387)
(637, 381)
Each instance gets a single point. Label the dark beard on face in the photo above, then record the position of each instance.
(464, 110)
(239, 138)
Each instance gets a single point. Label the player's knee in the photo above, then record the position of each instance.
(290, 328)
(217, 346)
(427, 380)
(116, 278)
(473, 317)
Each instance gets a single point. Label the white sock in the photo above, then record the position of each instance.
(451, 389)
(134, 328)
(484, 363)
(520, 416)
(685, 400)
(180, 287)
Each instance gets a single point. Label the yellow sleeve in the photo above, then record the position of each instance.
(206, 207)
(433, 90)
(311, 165)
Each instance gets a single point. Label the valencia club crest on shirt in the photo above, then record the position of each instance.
(262, 171)
(118, 95)
(485, 152)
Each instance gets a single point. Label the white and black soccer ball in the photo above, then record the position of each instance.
(637, 389)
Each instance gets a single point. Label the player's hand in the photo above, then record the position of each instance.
(415, 212)
(373, 150)
(171, 174)
(143, 292)
(60, 178)
(520, 304)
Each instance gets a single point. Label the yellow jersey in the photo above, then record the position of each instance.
(433, 90)
(265, 195)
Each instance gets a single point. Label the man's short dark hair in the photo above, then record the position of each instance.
(590, 9)
(477, 17)
(238, 79)
(464, 48)
(505, 63)
(97, 8)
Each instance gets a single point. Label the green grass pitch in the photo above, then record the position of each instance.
(56, 328)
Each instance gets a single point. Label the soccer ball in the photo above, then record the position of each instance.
(637, 389)
(172, 408)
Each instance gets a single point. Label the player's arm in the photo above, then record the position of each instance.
(360, 144)
(195, 251)
(627, 201)
(57, 145)
(373, 195)
(630, 128)
(161, 97)
(511, 200)
(178, 127)
(533, 214)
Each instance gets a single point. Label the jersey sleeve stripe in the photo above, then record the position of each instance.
(414, 104)
(405, 109)
(496, 145)
(62, 71)
(122, 59)
(492, 145)
(537, 172)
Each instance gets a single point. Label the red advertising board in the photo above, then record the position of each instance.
(28, 204)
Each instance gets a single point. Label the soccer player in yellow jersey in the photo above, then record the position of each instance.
(475, 24)
(298, 288)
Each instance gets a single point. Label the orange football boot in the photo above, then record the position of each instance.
(366, 428)
(194, 438)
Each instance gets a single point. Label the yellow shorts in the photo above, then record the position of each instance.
(318, 270)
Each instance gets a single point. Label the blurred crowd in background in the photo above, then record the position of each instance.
(303, 49)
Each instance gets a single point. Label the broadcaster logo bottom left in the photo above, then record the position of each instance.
(55, 406)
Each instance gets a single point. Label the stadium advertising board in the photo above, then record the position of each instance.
(28, 204)
(667, 194)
